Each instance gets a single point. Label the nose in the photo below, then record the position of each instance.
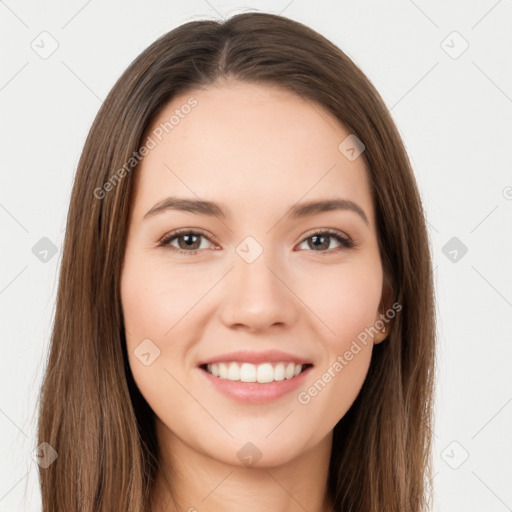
(257, 296)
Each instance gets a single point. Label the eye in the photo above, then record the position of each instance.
(189, 241)
(322, 240)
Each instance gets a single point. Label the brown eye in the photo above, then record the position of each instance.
(189, 242)
(321, 241)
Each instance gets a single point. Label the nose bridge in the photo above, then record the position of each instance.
(256, 295)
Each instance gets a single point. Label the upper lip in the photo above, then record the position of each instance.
(248, 356)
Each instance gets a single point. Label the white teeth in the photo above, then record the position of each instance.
(279, 371)
(247, 372)
(223, 370)
(233, 371)
(265, 373)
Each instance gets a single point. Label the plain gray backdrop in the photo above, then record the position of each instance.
(443, 69)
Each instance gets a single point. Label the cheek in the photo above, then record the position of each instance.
(346, 301)
(161, 303)
(157, 298)
(344, 298)
(155, 304)
(354, 311)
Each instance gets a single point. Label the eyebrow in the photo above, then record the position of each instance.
(211, 208)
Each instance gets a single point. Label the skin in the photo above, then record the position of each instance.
(258, 150)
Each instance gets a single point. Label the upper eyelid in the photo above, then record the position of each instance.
(330, 231)
(197, 231)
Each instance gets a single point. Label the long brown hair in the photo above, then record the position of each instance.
(91, 411)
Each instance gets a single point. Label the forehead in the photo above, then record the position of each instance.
(249, 146)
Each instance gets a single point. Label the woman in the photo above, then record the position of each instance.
(245, 313)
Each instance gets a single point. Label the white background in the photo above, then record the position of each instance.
(454, 115)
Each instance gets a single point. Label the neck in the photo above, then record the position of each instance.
(192, 481)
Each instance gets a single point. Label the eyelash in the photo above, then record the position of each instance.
(345, 242)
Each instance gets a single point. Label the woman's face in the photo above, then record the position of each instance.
(258, 282)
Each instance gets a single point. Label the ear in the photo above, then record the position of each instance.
(382, 334)
(382, 321)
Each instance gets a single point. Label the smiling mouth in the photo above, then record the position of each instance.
(262, 373)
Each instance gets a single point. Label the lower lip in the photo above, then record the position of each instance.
(255, 392)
